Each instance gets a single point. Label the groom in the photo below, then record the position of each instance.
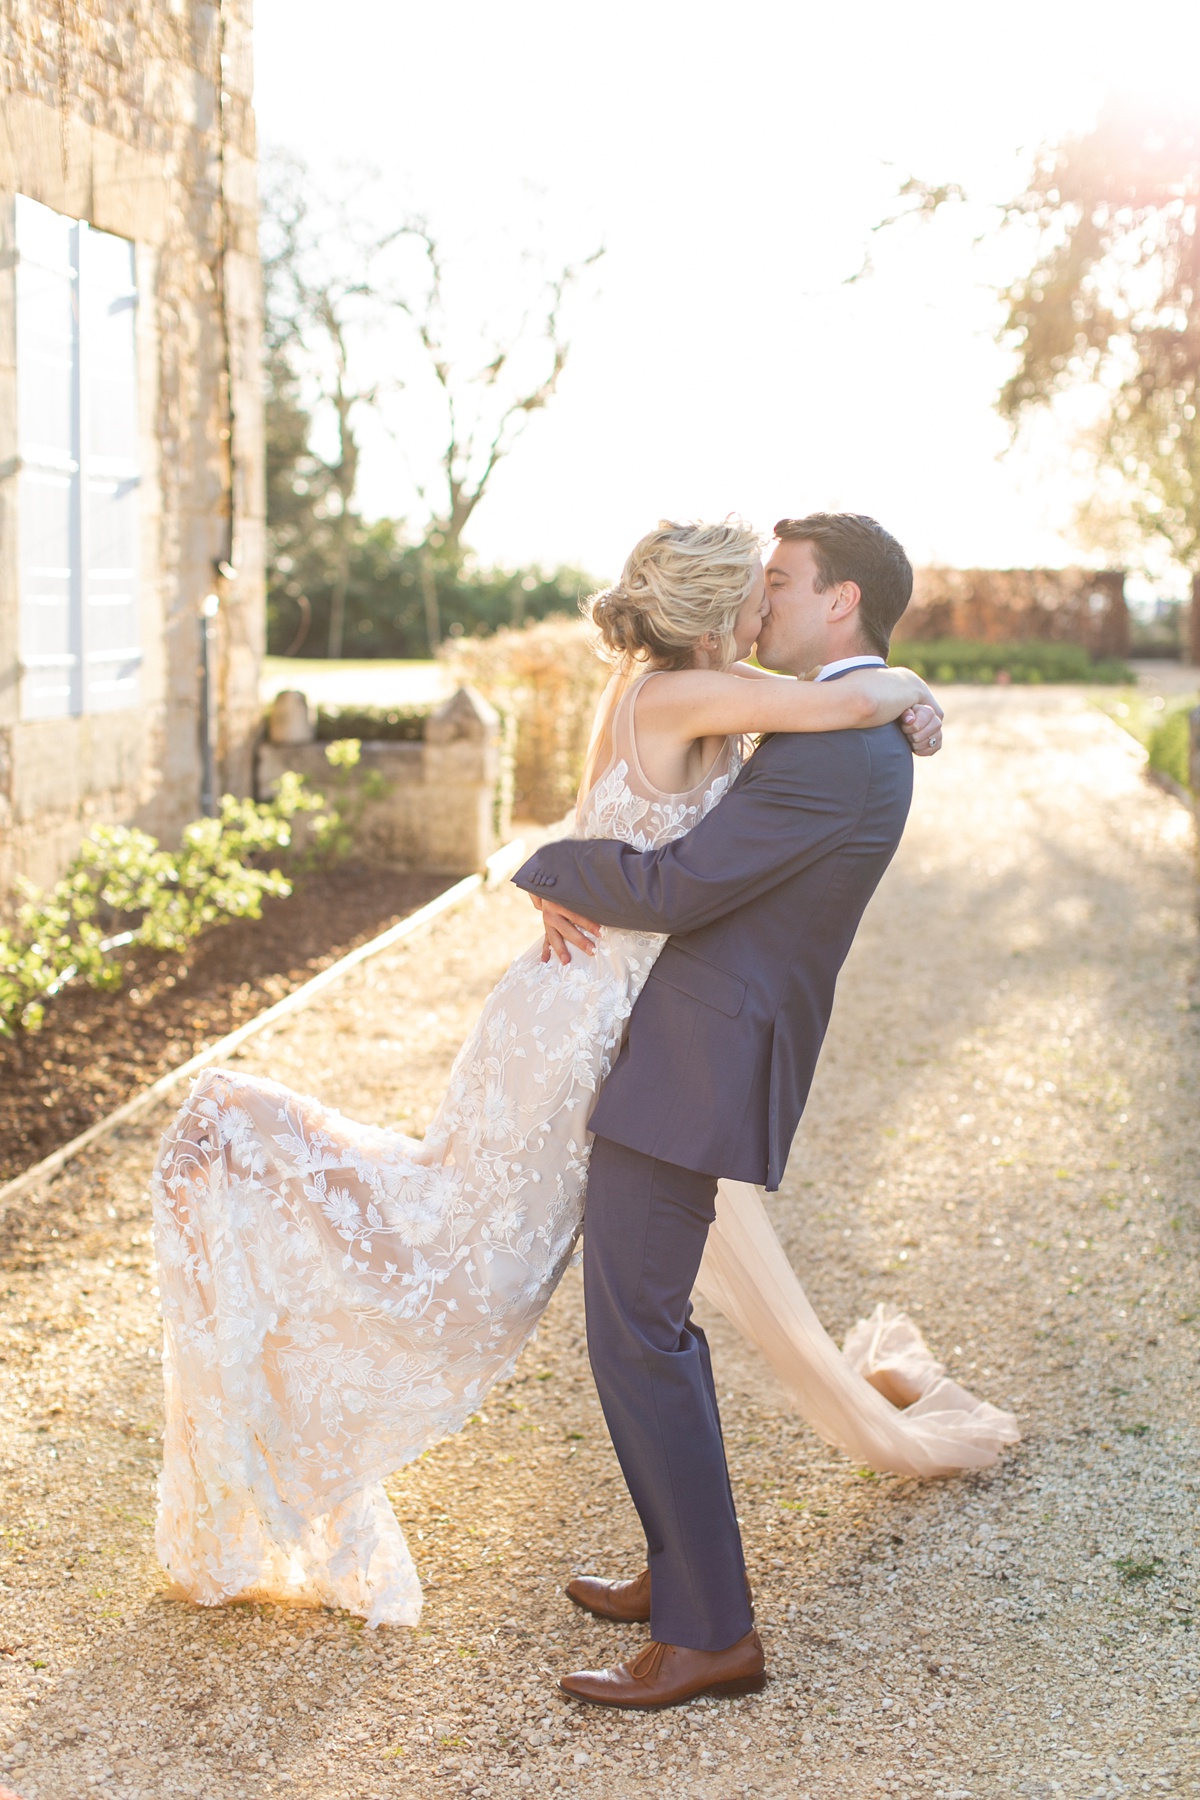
(761, 902)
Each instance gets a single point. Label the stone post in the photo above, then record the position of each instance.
(1192, 648)
(462, 764)
(289, 721)
(437, 805)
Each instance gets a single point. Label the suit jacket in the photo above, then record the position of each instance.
(761, 900)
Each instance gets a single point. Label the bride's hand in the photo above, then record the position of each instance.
(922, 726)
(563, 928)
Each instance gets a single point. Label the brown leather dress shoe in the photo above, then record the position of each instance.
(625, 1602)
(666, 1675)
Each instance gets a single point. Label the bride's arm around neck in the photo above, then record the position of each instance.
(751, 672)
(687, 704)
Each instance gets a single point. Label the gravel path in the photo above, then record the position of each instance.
(1003, 1135)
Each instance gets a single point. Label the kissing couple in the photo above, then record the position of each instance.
(337, 1296)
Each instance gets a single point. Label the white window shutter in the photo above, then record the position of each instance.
(108, 394)
(48, 447)
(78, 449)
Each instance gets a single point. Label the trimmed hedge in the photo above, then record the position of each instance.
(958, 659)
(1167, 744)
(387, 724)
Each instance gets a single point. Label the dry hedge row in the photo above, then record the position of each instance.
(1014, 606)
(546, 679)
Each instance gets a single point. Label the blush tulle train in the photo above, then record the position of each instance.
(883, 1398)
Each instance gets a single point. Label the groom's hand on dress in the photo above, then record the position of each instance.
(564, 928)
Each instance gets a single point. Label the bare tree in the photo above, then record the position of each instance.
(330, 282)
(484, 405)
(316, 304)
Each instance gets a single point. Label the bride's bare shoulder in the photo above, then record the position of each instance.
(697, 703)
(676, 693)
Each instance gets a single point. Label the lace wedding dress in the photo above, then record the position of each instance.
(337, 1297)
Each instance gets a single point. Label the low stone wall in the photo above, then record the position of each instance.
(431, 805)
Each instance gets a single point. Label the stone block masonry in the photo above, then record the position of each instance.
(429, 805)
(135, 117)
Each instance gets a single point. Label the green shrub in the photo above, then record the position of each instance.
(385, 609)
(953, 659)
(387, 724)
(166, 897)
(1167, 744)
(334, 832)
(1163, 730)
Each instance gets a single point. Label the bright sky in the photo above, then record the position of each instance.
(732, 159)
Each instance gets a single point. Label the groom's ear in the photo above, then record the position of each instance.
(847, 597)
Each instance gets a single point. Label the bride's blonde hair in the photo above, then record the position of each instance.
(681, 583)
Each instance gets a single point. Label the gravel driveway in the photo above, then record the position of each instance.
(1004, 1136)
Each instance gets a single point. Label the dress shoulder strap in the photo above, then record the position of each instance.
(624, 743)
(602, 755)
(614, 748)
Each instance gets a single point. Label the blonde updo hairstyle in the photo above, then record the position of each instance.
(681, 583)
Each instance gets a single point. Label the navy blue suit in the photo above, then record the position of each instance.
(761, 901)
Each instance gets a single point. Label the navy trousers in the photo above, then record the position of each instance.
(644, 1233)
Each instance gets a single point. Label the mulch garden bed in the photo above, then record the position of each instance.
(97, 1050)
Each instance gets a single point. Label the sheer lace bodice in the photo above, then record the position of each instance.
(623, 802)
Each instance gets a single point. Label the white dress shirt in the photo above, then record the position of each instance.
(851, 662)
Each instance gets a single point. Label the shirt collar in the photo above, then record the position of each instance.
(851, 662)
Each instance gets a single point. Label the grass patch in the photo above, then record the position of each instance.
(1135, 1569)
(1168, 745)
(1160, 725)
(286, 669)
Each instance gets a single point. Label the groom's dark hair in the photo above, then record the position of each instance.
(852, 547)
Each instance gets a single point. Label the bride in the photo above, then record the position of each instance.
(337, 1297)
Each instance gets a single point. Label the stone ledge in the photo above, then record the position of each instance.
(437, 808)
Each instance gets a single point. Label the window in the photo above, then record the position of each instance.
(77, 443)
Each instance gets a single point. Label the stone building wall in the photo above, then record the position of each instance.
(135, 115)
